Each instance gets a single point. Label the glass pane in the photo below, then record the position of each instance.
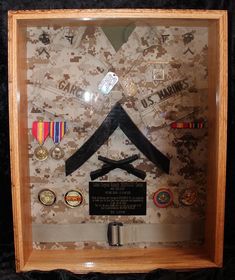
(117, 132)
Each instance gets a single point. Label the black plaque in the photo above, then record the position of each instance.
(117, 198)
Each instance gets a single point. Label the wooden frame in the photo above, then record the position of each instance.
(125, 260)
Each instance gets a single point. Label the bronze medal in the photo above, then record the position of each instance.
(41, 153)
(73, 198)
(57, 153)
(47, 197)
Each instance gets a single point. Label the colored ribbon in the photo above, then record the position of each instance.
(57, 131)
(187, 125)
(40, 131)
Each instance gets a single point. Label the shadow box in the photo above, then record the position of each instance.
(118, 138)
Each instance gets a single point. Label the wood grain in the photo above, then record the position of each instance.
(19, 144)
(217, 120)
(221, 117)
(119, 259)
(93, 14)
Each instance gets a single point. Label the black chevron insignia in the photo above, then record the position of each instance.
(117, 117)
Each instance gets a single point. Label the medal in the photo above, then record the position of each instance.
(57, 132)
(73, 198)
(41, 153)
(40, 131)
(57, 153)
(47, 197)
(163, 198)
(188, 197)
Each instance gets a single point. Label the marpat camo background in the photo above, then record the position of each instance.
(70, 64)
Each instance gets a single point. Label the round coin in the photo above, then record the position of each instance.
(188, 197)
(73, 198)
(41, 153)
(163, 198)
(57, 153)
(47, 197)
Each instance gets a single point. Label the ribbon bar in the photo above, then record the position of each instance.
(187, 125)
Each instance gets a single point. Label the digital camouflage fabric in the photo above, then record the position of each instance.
(162, 72)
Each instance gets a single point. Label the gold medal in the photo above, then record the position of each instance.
(57, 153)
(73, 198)
(47, 197)
(41, 153)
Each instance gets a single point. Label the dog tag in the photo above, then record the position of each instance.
(108, 82)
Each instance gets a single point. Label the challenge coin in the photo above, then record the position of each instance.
(163, 198)
(41, 153)
(47, 197)
(188, 197)
(73, 198)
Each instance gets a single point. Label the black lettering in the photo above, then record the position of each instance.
(73, 89)
(67, 87)
(144, 103)
(170, 90)
(178, 86)
(150, 100)
(173, 88)
(160, 94)
(166, 93)
(61, 84)
(185, 83)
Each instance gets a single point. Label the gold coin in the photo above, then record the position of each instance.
(73, 198)
(47, 197)
(188, 197)
(57, 153)
(41, 153)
